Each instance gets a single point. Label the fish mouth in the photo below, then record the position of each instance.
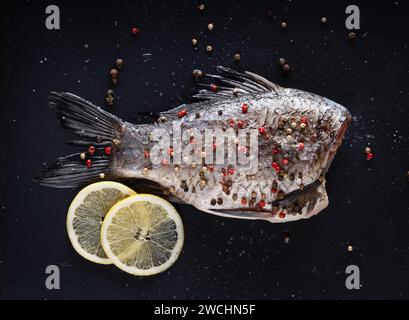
(301, 203)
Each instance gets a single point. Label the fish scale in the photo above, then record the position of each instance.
(298, 135)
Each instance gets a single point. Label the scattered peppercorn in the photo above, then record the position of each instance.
(236, 57)
(324, 20)
(201, 7)
(282, 61)
(197, 73)
(202, 183)
(109, 100)
(286, 68)
(283, 24)
(194, 41)
(114, 75)
(369, 156)
(276, 166)
(82, 155)
(91, 150)
(210, 26)
(368, 150)
(209, 48)
(107, 150)
(350, 248)
(119, 63)
(286, 239)
(135, 31)
(351, 35)
(182, 113)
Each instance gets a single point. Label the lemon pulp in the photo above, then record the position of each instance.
(142, 234)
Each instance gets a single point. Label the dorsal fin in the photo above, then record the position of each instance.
(234, 83)
(230, 84)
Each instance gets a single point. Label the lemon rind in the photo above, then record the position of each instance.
(79, 198)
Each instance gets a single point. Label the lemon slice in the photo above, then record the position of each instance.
(85, 216)
(142, 235)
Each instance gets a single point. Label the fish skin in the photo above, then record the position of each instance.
(275, 110)
(295, 191)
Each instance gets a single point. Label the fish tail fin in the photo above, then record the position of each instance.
(96, 128)
(70, 171)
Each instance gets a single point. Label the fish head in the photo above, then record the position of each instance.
(301, 134)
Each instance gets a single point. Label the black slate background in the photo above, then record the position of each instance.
(222, 258)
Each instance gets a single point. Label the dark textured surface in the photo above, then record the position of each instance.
(222, 258)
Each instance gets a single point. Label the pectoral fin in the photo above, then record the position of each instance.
(300, 204)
